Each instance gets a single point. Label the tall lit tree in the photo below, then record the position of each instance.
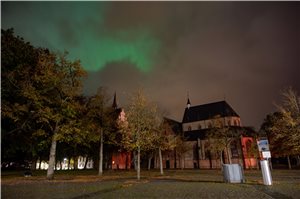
(59, 83)
(162, 140)
(290, 121)
(283, 127)
(143, 120)
(100, 120)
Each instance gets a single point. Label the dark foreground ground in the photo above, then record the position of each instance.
(173, 184)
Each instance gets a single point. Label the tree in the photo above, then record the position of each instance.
(53, 93)
(166, 140)
(40, 93)
(220, 138)
(181, 148)
(267, 129)
(19, 59)
(252, 152)
(289, 124)
(162, 141)
(283, 127)
(142, 121)
(100, 120)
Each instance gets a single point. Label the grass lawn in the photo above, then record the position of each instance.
(123, 184)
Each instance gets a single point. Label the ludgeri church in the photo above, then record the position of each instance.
(196, 151)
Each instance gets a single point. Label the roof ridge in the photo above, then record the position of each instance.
(210, 103)
(208, 111)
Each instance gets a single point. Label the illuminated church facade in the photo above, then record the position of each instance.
(195, 152)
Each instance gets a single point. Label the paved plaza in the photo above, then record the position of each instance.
(174, 184)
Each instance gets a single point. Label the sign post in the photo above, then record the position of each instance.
(264, 150)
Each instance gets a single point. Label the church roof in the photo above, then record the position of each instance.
(208, 111)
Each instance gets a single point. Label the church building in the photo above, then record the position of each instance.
(196, 151)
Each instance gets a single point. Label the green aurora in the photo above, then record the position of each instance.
(79, 28)
(95, 54)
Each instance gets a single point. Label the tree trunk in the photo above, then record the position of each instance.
(86, 161)
(69, 163)
(135, 160)
(75, 162)
(182, 161)
(228, 156)
(289, 162)
(33, 164)
(298, 160)
(221, 160)
(139, 163)
(50, 171)
(175, 159)
(270, 163)
(155, 161)
(101, 155)
(160, 162)
(149, 162)
(126, 161)
(40, 163)
(180, 165)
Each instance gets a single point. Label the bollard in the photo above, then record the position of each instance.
(266, 173)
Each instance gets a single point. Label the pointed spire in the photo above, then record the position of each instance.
(115, 105)
(188, 104)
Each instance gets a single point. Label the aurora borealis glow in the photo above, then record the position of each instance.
(245, 52)
(86, 38)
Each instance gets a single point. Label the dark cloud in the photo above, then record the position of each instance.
(245, 52)
(121, 77)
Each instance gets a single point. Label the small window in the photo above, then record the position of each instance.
(209, 125)
(235, 123)
(207, 154)
(229, 123)
(189, 128)
(199, 126)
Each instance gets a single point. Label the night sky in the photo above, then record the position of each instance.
(245, 52)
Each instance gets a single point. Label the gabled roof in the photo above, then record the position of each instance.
(208, 111)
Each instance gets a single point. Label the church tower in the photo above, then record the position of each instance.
(188, 104)
(115, 105)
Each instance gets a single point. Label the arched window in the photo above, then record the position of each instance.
(199, 126)
(189, 128)
(234, 149)
(249, 148)
(235, 123)
(209, 125)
